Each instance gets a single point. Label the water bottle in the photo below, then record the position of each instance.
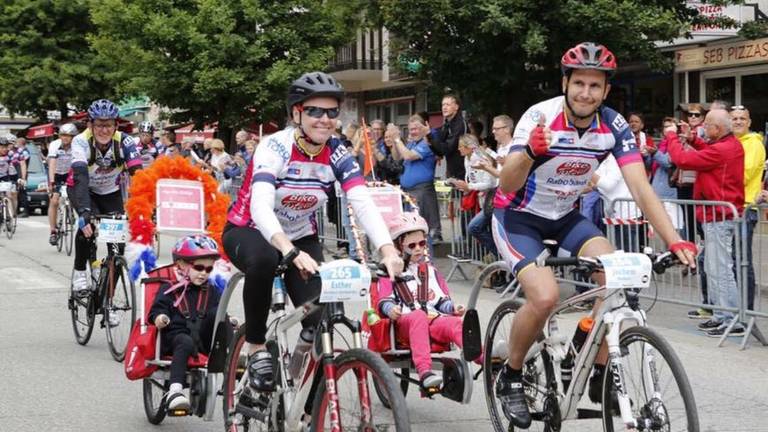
(300, 352)
(372, 317)
(278, 291)
(95, 271)
(579, 337)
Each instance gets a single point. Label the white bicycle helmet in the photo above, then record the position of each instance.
(405, 223)
(68, 129)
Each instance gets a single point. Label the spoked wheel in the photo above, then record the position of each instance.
(60, 218)
(119, 308)
(154, 392)
(82, 310)
(655, 381)
(244, 411)
(537, 373)
(69, 230)
(10, 221)
(356, 370)
(404, 384)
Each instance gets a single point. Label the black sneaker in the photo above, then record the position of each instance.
(708, 325)
(53, 239)
(719, 331)
(512, 397)
(261, 376)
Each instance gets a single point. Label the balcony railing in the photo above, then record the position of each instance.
(365, 53)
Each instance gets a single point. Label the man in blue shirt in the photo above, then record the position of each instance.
(418, 177)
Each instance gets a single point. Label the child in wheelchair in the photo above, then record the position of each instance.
(420, 307)
(186, 311)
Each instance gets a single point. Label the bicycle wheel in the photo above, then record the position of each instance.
(83, 312)
(655, 380)
(10, 221)
(404, 384)
(355, 370)
(60, 219)
(69, 229)
(538, 372)
(153, 392)
(119, 310)
(255, 414)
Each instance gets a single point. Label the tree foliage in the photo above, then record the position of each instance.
(504, 54)
(218, 60)
(45, 61)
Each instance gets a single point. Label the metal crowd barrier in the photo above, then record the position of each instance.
(627, 230)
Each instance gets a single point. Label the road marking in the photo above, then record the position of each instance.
(28, 279)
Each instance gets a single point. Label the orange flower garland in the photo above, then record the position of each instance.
(141, 202)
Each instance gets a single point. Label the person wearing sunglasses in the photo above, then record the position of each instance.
(287, 181)
(421, 307)
(185, 311)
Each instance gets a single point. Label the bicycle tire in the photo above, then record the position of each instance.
(154, 407)
(532, 369)
(117, 336)
(60, 217)
(69, 229)
(404, 384)
(82, 312)
(376, 369)
(661, 346)
(10, 221)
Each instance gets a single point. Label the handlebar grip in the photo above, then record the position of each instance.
(561, 261)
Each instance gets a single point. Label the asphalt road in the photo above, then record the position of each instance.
(50, 383)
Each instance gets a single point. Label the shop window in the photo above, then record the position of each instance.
(721, 89)
(754, 93)
(693, 87)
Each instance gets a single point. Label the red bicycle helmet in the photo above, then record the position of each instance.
(194, 247)
(589, 55)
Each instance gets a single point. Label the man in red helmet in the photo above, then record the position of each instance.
(557, 145)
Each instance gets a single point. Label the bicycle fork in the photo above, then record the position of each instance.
(614, 321)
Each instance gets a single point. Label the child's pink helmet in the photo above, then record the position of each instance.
(405, 223)
(194, 247)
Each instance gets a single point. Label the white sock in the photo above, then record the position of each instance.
(175, 388)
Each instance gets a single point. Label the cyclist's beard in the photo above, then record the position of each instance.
(576, 115)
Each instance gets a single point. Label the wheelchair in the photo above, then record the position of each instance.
(457, 371)
(204, 373)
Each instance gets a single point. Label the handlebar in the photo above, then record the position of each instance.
(661, 262)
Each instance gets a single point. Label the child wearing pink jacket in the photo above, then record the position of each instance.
(421, 308)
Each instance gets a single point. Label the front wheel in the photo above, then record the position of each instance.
(153, 392)
(354, 371)
(119, 308)
(10, 221)
(69, 229)
(82, 310)
(660, 395)
(538, 373)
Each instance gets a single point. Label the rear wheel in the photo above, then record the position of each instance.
(10, 221)
(60, 220)
(356, 369)
(153, 392)
(538, 372)
(119, 308)
(82, 310)
(655, 381)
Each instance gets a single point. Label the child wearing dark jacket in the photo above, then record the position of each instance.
(186, 311)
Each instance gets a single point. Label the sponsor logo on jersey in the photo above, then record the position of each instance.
(565, 140)
(573, 168)
(294, 171)
(619, 123)
(275, 146)
(299, 201)
(339, 154)
(534, 115)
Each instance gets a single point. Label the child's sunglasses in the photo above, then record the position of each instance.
(413, 245)
(202, 268)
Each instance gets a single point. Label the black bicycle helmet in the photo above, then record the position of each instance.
(313, 84)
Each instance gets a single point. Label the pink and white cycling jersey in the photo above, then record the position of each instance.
(283, 188)
(556, 179)
(63, 156)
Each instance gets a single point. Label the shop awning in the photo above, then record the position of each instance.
(190, 131)
(41, 131)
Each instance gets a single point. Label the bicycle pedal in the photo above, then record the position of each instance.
(179, 413)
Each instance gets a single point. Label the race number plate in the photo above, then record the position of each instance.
(626, 270)
(344, 281)
(113, 230)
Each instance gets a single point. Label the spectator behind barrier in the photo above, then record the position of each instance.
(447, 140)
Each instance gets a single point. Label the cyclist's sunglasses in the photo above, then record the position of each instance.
(694, 114)
(317, 112)
(413, 245)
(202, 268)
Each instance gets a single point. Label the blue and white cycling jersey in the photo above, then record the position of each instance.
(557, 178)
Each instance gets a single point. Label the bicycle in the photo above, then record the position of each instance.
(327, 373)
(7, 218)
(110, 293)
(637, 389)
(65, 223)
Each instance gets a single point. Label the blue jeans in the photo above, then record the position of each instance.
(718, 263)
(480, 228)
(747, 234)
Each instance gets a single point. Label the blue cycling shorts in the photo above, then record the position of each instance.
(520, 236)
